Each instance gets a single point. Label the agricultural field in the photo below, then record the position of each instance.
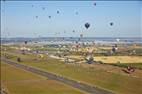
(106, 76)
(17, 81)
(113, 59)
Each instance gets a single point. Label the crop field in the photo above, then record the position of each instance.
(108, 77)
(114, 59)
(17, 81)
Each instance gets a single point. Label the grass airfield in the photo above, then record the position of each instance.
(17, 81)
(108, 75)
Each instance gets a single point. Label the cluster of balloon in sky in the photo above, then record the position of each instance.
(87, 25)
(43, 8)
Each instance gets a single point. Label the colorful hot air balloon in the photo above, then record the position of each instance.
(87, 25)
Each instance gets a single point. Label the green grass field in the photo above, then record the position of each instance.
(116, 82)
(120, 84)
(17, 81)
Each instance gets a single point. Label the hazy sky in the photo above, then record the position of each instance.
(18, 19)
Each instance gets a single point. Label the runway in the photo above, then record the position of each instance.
(73, 83)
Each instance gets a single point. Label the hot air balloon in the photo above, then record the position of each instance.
(76, 42)
(117, 40)
(36, 17)
(81, 35)
(113, 49)
(57, 12)
(78, 39)
(94, 4)
(111, 23)
(76, 13)
(63, 38)
(115, 45)
(26, 42)
(49, 17)
(73, 31)
(43, 8)
(87, 25)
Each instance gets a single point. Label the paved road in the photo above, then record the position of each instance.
(82, 86)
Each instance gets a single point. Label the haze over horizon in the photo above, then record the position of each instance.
(67, 18)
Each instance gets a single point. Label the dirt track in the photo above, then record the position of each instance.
(85, 87)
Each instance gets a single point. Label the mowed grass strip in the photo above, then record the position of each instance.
(120, 84)
(18, 81)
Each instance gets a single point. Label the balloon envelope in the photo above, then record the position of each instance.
(87, 25)
(26, 42)
(81, 35)
(94, 4)
(43, 8)
(111, 23)
(64, 31)
(36, 16)
(49, 17)
(57, 12)
(76, 13)
(117, 40)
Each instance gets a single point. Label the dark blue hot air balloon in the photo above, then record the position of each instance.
(26, 42)
(87, 25)
(49, 17)
(111, 23)
(36, 17)
(94, 4)
(58, 12)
